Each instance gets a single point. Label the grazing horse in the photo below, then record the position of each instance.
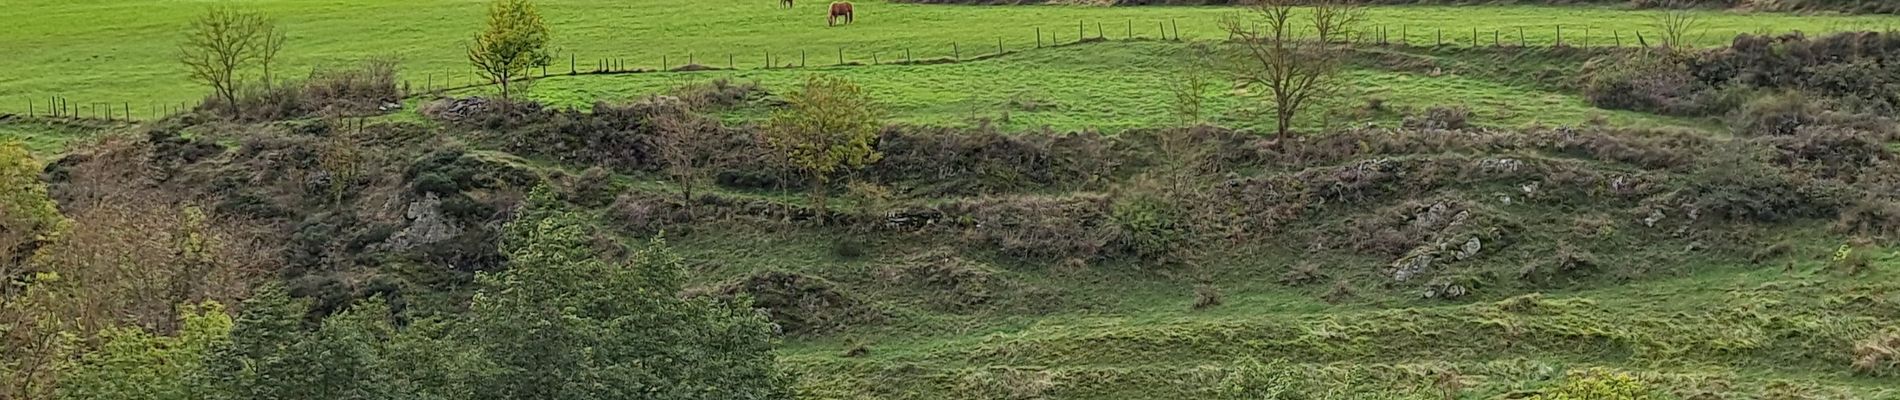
(785, 3)
(839, 9)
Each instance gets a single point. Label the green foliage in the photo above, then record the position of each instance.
(257, 362)
(1737, 182)
(827, 126)
(1150, 221)
(1656, 81)
(562, 323)
(1598, 384)
(515, 40)
(132, 364)
(27, 216)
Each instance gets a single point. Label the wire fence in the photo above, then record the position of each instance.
(438, 82)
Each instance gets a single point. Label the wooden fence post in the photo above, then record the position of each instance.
(1474, 38)
(840, 55)
(1618, 36)
(999, 45)
(955, 52)
(1560, 36)
(801, 58)
(1520, 37)
(1177, 28)
(1131, 28)
(570, 64)
(1405, 35)
(1038, 37)
(1438, 37)
(1098, 31)
(128, 110)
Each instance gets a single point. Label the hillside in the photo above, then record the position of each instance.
(1549, 222)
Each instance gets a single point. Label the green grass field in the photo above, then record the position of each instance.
(1062, 88)
(120, 51)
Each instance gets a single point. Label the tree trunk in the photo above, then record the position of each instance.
(818, 196)
(686, 192)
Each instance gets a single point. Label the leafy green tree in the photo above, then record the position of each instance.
(515, 41)
(32, 342)
(827, 126)
(133, 364)
(256, 363)
(561, 323)
(28, 216)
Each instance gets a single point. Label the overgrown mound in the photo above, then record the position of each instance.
(950, 282)
(1766, 85)
(801, 304)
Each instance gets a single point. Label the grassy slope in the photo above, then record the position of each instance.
(1066, 87)
(1125, 331)
(120, 50)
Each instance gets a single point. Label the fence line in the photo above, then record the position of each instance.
(437, 82)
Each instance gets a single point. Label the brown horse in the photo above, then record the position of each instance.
(839, 9)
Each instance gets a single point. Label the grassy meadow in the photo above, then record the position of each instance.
(1062, 88)
(120, 51)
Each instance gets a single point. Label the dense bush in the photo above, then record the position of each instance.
(1775, 115)
(1439, 117)
(367, 88)
(1738, 182)
(1150, 220)
(1642, 81)
(953, 162)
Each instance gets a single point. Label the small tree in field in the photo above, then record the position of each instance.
(1274, 54)
(1676, 24)
(685, 143)
(826, 127)
(515, 41)
(221, 44)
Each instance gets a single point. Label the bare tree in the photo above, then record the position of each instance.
(686, 143)
(1676, 24)
(273, 42)
(1294, 69)
(219, 45)
(1190, 86)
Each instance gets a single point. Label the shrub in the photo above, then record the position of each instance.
(1644, 81)
(1150, 222)
(1049, 228)
(1439, 117)
(800, 303)
(1775, 115)
(1738, 183)
(719, 93)
(367, 88)
(1206, 296)
(1870, 217)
